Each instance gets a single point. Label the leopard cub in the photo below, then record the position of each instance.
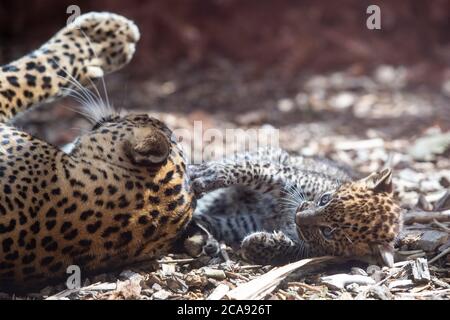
(281, 208)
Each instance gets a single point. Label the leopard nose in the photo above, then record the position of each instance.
(305, 218)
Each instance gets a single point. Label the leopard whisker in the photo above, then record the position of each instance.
(347, 237)
(102, 78)
(83, 99)
(84, 93)
(292, 202)
(289, 204)
(72, 80)
(94, 103)
(302, 251)
(96, 114)
(292, 197)
(76, 95)
(302, 236)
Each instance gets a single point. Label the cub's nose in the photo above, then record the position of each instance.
(305, 214)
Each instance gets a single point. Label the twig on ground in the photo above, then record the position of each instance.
(188, 260)
(425, 293)
(416, 255)
(234, 275)
(409, 252)
(426, 216)
(441, 225)
(254, 266)
(263, 285)
(440, 283)
(440, 255)
(305, 286)
(62, 294)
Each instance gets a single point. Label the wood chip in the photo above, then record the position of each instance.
(431, 239)
(62, 294)
(219, 292)
(214, 273)
(340, 281)
(406, 283)
(444, 202)
(424, 204)
(433, 293)
(419, 270)
(177, 261)
(161, 295)
(100, 287)
(440, 283)
(426, 216)
(419, 289)
(260, 287)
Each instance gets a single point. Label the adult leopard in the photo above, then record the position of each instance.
(120, 196)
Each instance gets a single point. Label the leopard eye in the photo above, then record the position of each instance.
(324, 199)
(327, 232)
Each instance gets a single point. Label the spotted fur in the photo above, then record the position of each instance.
(120, 196)
(281, 208)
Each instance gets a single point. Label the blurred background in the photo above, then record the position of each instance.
(309, 68)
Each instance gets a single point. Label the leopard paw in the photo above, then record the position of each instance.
(102, 42)
(267, 248)
(207, 177)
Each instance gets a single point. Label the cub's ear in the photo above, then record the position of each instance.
(148, 148)
(379, 181)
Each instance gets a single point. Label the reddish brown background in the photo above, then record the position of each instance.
(289, 35)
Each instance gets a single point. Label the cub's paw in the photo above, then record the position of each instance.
(267, 248)
(208, 176)
(100, 42)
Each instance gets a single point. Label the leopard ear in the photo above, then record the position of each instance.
(379, 181)
(148, 149)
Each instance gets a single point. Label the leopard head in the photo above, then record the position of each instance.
(359, 218)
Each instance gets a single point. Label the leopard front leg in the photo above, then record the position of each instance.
(259, 176)
(274, 248)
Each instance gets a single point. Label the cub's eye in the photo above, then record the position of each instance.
(327, 232)
(324, 199)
